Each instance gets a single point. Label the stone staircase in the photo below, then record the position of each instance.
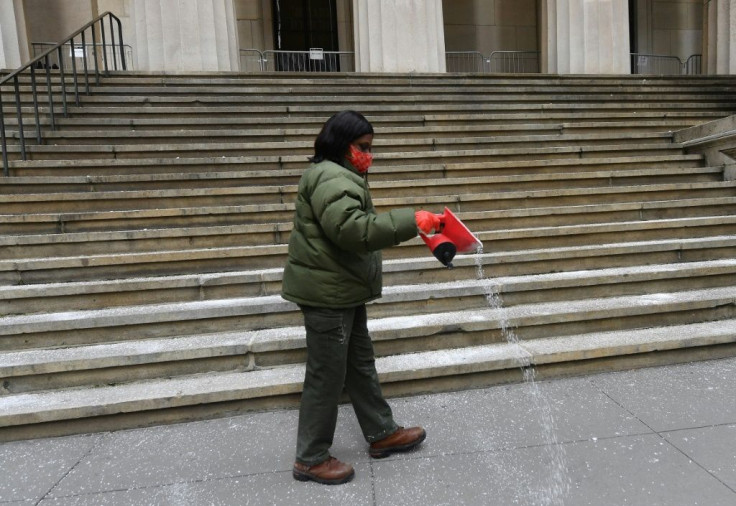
(141, 246)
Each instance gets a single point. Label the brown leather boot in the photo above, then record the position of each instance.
(329, 472)
(400, 441)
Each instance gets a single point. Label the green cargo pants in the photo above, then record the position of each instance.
(339, 353)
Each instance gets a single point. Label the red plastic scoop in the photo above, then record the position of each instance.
(454, 237)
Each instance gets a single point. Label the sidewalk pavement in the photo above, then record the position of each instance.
(660, 436)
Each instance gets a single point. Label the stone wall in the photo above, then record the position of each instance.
(254, 24)
(669, 27)
(490, 25)
(53, 21)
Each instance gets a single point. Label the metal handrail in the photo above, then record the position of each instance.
(43, 62)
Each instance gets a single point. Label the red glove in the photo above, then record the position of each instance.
(427, 222)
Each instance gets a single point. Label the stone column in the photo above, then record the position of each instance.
(13, 35)
(585, 37)
(719, 45)
(185, 35)
(399, 36)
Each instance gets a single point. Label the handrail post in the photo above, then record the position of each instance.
(65, 108)
(34, 90)
(74, 73)
(51, 96)
(19, 112)
(3, 142)
(86, 70)
(122, 46)
(104, 43)
(112, 44)
(94, 50)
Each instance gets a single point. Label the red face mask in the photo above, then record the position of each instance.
(360, 160)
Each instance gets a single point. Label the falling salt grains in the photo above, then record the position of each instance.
(556, 483)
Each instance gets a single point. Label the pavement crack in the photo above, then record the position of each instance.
(72, 468)
(662, 436)
(373, 484)
(691, 459)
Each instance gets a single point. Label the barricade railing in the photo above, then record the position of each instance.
(497, 62)
(465, 61)
(44, 63)
(78, 51)
(314, 60)
(694, 65)
(251, 60)
(663, 65)
(317, 60)
(514, 62)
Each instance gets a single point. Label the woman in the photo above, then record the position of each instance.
(334, 268)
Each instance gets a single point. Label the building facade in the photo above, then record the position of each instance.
(549, 36)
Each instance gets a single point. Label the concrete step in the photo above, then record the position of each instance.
(457, 199)
(185, 147)
(563, 121)
(163, 399)
(271, 162)
(77, 245)
(125, 362)
(120, 278)
(99, 294)
(206, 216)
(381, 88)
(458, 313)
(305, 136)
(274, 170)
(301, 136)
(283, 83)
(273, 112)
(380, 182)
(276, 79)
(363, 91)
(725, 107)
(163, 97)
(209, 260)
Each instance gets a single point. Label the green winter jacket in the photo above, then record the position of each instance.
(334, 249)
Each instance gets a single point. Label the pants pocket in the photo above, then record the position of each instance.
(327, 323)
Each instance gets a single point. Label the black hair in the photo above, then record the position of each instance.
(337, 134)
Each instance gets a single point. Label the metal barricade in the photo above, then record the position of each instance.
(496, 62)
(464, 61)
(314, 60)
(656, 64)
(517, 62)
(112, 53)
(513, 62)
(318, 60)
(694, 65)
(251, 60)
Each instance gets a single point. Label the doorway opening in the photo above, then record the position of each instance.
(304, 30)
